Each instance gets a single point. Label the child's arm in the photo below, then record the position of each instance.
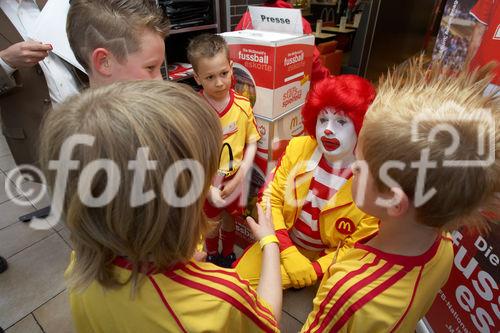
(245, 166)
(269, 287)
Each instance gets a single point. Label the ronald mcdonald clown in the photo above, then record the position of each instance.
(312, 207)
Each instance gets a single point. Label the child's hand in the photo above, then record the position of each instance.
(265, 227)
(234, 184)
(200, 256)
(215, 198)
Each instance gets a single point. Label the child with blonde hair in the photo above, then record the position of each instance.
(137, 175)
(117, 40)
(422, 169)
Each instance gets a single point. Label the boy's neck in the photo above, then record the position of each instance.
(404, 237)
(218, 105)
(96, 81)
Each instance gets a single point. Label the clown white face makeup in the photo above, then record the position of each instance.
(336, 136)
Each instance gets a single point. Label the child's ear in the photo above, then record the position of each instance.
(101, 62)
(197, 78)
(400, 203)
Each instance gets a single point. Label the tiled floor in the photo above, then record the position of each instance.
(33, 297)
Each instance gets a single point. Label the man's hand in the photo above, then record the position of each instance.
(25, 54)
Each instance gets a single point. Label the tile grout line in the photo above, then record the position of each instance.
(291, 315)
(33, 312)
(17, 220)
(36, 321)
(71, 247)
(27, 247)
(9, 327)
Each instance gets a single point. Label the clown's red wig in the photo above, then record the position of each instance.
(350, 94)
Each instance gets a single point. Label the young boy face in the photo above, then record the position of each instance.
(215, 74)
(145, 63)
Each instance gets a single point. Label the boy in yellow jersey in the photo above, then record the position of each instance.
(132, 173)
(408, 176)
(209, 56)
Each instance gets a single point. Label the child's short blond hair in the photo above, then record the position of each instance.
(412, 103)
(175, 124)
(206, 46)
(111, 24)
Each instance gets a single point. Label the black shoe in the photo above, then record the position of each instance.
(227, 262)
(214, 259)
(3, 266)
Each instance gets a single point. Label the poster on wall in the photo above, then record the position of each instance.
(469, 35)
(469, 302)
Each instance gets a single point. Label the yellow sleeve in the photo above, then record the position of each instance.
(367, 226)
(252, 132)
(275, 191)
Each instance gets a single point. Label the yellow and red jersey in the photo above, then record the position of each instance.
(487, 12)
(238, 128)
(372, 291)
(190, 297)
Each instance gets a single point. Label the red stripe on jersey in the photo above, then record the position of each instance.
(238, 96)
(164, 300)
(336, 287)
(223, 296)
(249, 288)
(411, 301)
(252, 302)
(368, 297)
(306, 229)
(353, 290)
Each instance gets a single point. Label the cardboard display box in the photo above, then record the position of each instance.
(272, 69)
(275, 135)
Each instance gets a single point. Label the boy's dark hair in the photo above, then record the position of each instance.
(111, 24)
(206, 46)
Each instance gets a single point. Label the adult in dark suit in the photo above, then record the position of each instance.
(24, 95)
(31, 78)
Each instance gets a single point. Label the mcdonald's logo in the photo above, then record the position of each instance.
(345, 226)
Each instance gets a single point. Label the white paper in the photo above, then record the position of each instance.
(51, 29)
(284, 20)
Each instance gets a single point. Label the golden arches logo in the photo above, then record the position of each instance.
(345, 226)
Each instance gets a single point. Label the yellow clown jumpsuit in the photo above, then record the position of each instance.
(341, 223)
